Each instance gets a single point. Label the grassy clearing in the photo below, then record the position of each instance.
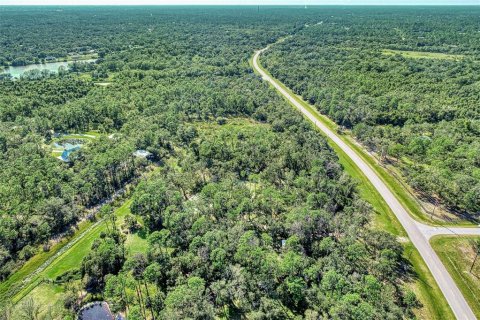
(434, 304)
(47, 296)
(457, 255)
(72, 258)
(86, 137)
(35, 262)
(94, 133)
(74, 136)
(79, 58)
(423, 55)
(136, 243)
(102, 84)
(40, 286)
(231, 123)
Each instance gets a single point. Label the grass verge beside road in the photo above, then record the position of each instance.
(457, 254)
(393, 184)
(434, 303)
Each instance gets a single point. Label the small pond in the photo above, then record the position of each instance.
(16, 72)
(96, 311)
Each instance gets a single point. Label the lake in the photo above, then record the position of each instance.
(16, 72)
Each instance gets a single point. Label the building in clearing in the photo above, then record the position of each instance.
(142, 154)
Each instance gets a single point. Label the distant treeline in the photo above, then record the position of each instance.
(423, 110)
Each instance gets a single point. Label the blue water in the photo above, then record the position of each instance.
(66, 153)
(16, 72)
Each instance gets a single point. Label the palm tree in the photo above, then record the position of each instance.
(30, 310)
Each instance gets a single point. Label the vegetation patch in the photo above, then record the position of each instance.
(433, 303)
(252, 214)
(460, 255)
(423, 55)
(418, 110)
(43, 301)
(64, 144)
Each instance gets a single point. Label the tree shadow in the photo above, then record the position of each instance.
(142, 233)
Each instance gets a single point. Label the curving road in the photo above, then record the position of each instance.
(419, 234)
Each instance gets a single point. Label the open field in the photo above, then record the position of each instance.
(56, 143)
(47, 296)
(79, 58)
(89, 136)
(209, 128)
(423, 55)
(9, 286)
(434, 304)
(457, 254)
(69, 260)
(33, 277)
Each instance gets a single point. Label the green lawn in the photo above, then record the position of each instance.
(94, 133)
(84, 137)
(75, 136)
(39, 287)
(434, 304)
(423, 55)
(46, 296)
(136, 243)
(457, 255)
(9, 286)
(72, 257)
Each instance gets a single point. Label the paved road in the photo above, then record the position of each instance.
(430, 231)
(453, 295)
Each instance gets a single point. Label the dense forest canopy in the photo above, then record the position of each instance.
(407, 84)
(181, 72)
(248, 212)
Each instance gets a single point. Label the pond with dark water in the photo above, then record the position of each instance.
(96, 311)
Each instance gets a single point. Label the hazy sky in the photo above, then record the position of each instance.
(245, 2)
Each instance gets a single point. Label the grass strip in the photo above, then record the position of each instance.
(434, 304)
(10, 285)
(457, 255)
(72, 258)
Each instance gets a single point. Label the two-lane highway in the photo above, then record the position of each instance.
(450, 290)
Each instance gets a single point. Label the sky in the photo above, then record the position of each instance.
(238, 2)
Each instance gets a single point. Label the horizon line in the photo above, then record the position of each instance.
(242, 5)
